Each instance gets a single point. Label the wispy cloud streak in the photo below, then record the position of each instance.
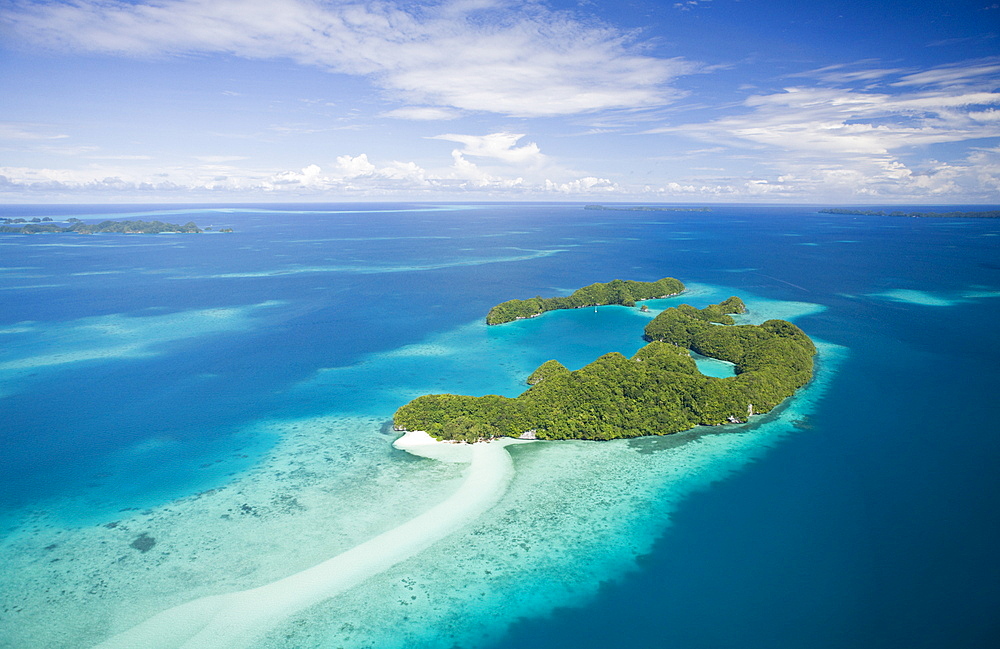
(868, 140)
(513, 58)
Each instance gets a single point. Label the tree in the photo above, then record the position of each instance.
(657, 391)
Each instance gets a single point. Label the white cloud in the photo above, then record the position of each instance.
(837, 120)
(20, 131)
(395, 172)
(217, 159)
(688, 5)
(355, 167)
(353, 175)
(469, 176)
(848, 73)
(409, 172)
(515, 58)
(951, 75)
(828, 120)
(502, 164)
(308, 177)
(501, 146)
(124, 156)
(975, 178)
(421, 113)
(874, 140)
(588, 185)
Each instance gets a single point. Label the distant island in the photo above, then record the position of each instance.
(646, 208)
(46, 225)
(995, 214)
(657, 391)
(624, 293)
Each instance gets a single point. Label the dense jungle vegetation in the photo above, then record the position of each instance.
(625, 293)
(657, 391)
(993, 214)
(39, 226)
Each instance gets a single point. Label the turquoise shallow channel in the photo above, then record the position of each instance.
(222, 425)
(713, 366)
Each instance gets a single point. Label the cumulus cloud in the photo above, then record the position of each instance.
(28, 182)
(515, 58)
(349, 173)
(501, 163)
(307, 177)
(510, 170)
(500, 146)
(588, 185)
(465, 174)
(355, 167)
(974, 178)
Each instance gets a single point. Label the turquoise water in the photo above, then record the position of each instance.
(713, 366)
(226, 397)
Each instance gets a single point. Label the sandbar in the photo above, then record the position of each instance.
(235, 619)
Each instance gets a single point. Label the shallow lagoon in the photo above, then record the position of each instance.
(713, 366)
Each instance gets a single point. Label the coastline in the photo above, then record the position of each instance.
(421, 444)
(583, 306)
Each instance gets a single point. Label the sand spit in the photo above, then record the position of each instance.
(235, 619)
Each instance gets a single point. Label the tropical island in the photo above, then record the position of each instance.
(657, 391)
(646, 208)
(994, 214)
(45, 225)
(624, 293)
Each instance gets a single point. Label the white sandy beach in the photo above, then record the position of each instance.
(235, 619)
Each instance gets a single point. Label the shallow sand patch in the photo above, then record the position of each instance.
(330, 484)
(51, 346)
(924, 298)
(235, 619)
(912, 296)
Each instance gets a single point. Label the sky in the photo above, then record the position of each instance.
(693, 101)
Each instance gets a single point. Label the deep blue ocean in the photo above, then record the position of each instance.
(139, 370)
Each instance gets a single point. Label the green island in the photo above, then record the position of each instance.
(646, 208)
(994, 214)
(45, 225)
(657, 391)
(624, 293)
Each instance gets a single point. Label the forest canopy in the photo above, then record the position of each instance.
(104, 227)
(625, 293)
(992, 214)
(657, 391)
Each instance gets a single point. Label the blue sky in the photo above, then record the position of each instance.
(873, 102)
